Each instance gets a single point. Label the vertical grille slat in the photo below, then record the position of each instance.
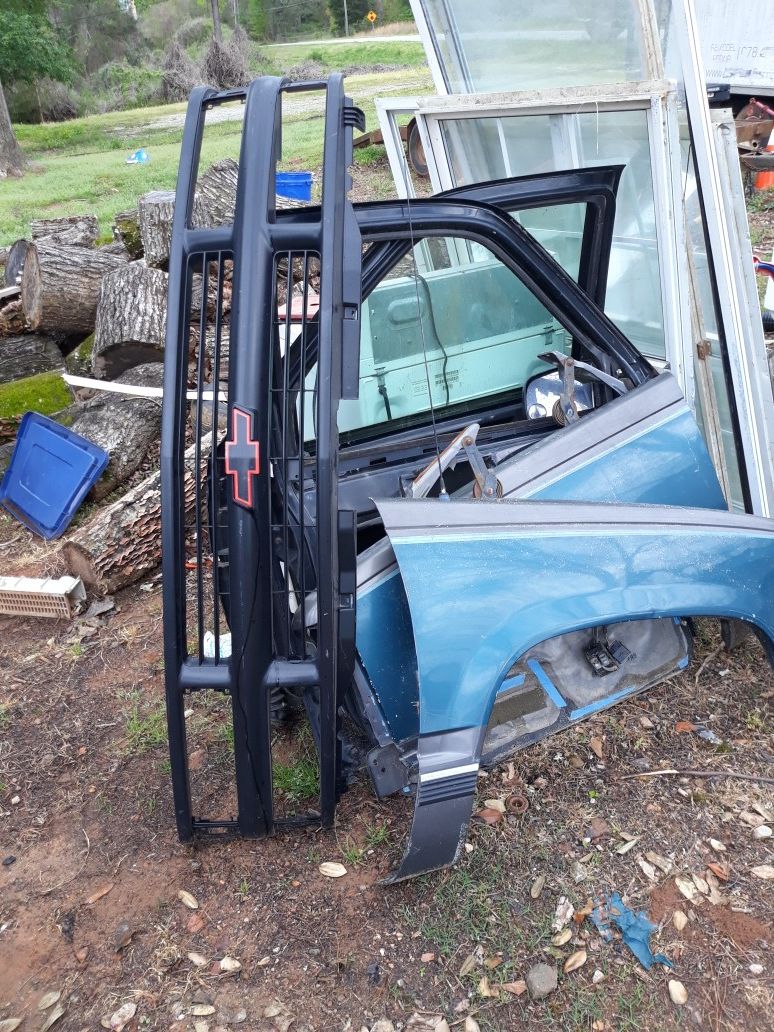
(214, 463)
(200, 369)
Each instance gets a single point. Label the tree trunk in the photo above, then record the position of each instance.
(60, 286)
(78, 230)
(122, 542)
(15, 262)
(217, 31)
(131, 320)
(12, 159)
(156, 211)
(27, 355)
(123, 426)
(126, 228)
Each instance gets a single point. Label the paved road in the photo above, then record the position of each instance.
(347, 39)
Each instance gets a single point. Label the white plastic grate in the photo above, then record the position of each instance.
(35, 596)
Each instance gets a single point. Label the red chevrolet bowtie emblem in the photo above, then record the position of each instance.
(242, 457)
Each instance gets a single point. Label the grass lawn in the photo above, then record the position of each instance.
(79, 166)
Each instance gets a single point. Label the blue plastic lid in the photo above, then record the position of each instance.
(51, 472)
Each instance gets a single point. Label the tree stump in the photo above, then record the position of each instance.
(76, 230)
(155, 216)
(61, 284)
(124, 426)
(131, 320)
(28, 354)
(15, 262)
(122, 542)
(126, 229)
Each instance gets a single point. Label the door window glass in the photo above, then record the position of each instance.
(453, 321)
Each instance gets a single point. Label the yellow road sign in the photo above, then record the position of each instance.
(372, 16)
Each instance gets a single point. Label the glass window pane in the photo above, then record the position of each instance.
(461, 322)
(494, 147)
(521, 45)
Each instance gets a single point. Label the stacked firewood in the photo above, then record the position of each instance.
(101, 312)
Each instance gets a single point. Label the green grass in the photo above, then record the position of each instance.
(146, 732)
(45, 393)
(336, 56)
(5, 718)
(297, 780)
(80, 166)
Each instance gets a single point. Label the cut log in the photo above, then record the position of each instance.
(125, 427)
(216, 194)
(126, 229)
(156, 210)
(77, 230)
(15, 262)
(131, 320)
(28, 354)
(116, 248)
(60, 286)
(122, 542)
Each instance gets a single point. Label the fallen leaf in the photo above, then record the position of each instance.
(717, 845)
(198, 959)
(493, 962)
(574, 961)
(598, 828)
(516, 988)
(624, 849)
(595, 744)
(563, 937)
(488, 815)
(120, 1017)
(764, 811)
(264, 962)
(195, 923)
(99, 894)
(495, 804)
(721, 871)
(684, 727)
(80, 955)
(427, 958)
(659, 861)
(10, 1024)
(230, 965)
(701, 884)
(679, 920)
(686, 886)
(470, 962)
(647, 723)
(188, 900)
(49, 999)
(764, 871)
(563, 914)
(202, 1010)
(677, 992)
(580, 915)
(485, 989)
(53, 1017)
(332, 869)
(647, 869)
(471, 1025)
(753, 819)
(441, 1026)
(537, 886)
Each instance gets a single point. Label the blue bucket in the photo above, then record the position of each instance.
(50, 473)
(297, 185)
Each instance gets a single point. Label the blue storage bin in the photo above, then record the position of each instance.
(51, 471)
(297, 185)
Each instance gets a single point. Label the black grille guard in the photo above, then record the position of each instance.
(285, 550)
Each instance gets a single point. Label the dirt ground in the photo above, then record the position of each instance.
(92, 868)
